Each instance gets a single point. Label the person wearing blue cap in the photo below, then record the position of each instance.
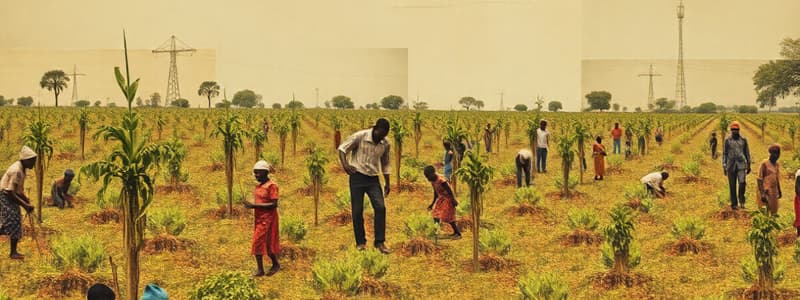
(154, 292)
(59, 192)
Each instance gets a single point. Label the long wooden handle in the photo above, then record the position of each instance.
(114, 273)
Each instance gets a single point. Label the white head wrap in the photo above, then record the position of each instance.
(26, 153)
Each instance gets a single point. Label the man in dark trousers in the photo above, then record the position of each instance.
(736, 164)
(363, 156)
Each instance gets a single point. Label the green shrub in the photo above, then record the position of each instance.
(414, 163)
(619, 238)
(409, 174)
(294, 228)
(547, 286)
(372, 262)
(222, 196)
(343, 200)
(508, 170)
(797, 251)
(692, 169)
(109, 199)
(675, 148)
(750, 271)
(636, 191)
(688, 227)
(464, 208)
(634, 255)
(198, 139)
(69, 147)
(696, 157)
(668, 159)
(583, 219)
(217, 157)
(495, 241)
(723, 198)
(227, 285)
(74, 187)
(615, 162)
(527, 195)
(169, 220)
(420, 226)
(84, 253)
(273, 158)
(573, 182)
(341, 275)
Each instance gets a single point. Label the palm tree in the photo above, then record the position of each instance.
(294, 123)
(131, 163)
(40, 140)
(258, 137)
(210, 89)
(454, 133)
(316, 161)
(476, 174)
(565, 144)
(83, 122)
(56, 81)
(399, 132)
(417, 132)
(229, 128)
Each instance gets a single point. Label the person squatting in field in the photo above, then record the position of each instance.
(266, 234)
(654, 183)
(736, 164)
(59, 192)
(363, 155)
(443, 207)
(769, 183)
(12, 196)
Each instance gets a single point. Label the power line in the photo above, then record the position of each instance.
(75, 75)
(170, 46)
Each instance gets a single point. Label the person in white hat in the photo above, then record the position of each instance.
(266, 234)
(12, 196)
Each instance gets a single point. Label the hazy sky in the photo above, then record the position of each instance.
(455, 48)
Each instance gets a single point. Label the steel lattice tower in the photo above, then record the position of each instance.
(171, 47)
(680, 82)
(74, 76)
(650, 93)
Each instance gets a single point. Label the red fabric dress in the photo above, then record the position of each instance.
(265, 232)
(797, 211)
(444, 209)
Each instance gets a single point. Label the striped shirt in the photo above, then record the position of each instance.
(365, 156)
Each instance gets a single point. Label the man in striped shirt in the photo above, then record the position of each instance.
(364, 156)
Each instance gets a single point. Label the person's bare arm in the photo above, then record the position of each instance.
(21, 199)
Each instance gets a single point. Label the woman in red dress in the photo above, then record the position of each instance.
(265, 232)
(443, 207)
(599, 154)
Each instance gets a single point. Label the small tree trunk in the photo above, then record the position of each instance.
(229, 180)
(476, 215)
(39, 186)
(620, 263)
(581, 153)
(565, 166)
(397, 157)
(257, 151)
(316, 190)
(283, 149)
(453, 181)
(294, 143)
(337, 139)
(83, 142)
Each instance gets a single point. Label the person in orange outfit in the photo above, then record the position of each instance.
(769, 183)
(265, 233)
(599, 154)
(616, 135)
(443, 207)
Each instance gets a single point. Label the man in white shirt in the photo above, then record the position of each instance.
(363, 156)
(524, 164)
(542, 141)
(654, 183)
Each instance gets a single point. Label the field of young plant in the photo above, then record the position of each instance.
(585, 238)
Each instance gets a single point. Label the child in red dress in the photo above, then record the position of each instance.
(443, 207)
(265, 233)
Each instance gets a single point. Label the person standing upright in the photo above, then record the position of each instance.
(542, 142)
(363, 155)
(599, 155)
(616, 135)
(12, 196)
(769, 183)
(488, 137)
(736, 165)
(712, 143)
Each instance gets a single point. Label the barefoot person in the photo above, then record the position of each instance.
(59, 190)
(12, 196)
(524, 163)
(769, 183)
(265, 234)
(443, 207)
(363, 156)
